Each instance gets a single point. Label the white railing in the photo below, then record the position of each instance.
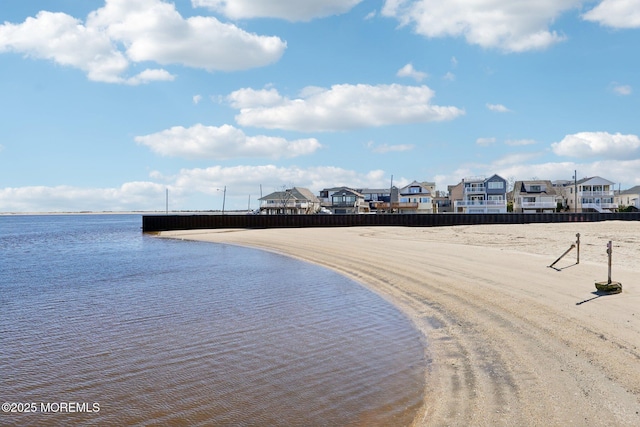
(607, 193)
(600, 205)
(478, 203)
(475, 189)
(280, 205)
(538, 205)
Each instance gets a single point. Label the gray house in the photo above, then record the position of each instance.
(344, 200)
(482, 195)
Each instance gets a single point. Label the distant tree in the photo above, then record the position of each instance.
(285, 196)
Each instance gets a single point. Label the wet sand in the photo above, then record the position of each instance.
(510, 340)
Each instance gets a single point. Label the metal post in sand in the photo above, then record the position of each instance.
(576, 244)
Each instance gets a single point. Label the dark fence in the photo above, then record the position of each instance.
(153, 223)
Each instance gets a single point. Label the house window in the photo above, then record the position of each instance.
(414, 190)
(536, 188)
(495, 198)
(424, 200)
(404, 200)
(529, 200)
(496, 185)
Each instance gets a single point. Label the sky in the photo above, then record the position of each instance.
(110, 105)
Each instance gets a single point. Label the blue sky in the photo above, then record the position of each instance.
(106, 104)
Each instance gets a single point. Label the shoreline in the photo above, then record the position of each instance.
(510, 341)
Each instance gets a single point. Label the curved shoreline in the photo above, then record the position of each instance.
(512, 342)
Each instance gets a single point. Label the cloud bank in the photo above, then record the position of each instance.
(341, 107)
(126, 32)
(598, 144)
(224, 142)
(510, 26)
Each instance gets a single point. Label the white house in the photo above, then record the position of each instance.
(594, 194)
(292, 201)
(630, 197)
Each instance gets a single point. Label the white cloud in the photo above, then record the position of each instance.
(134, 31)
(197, 99)
(512, 26)
(224, 142)
(484, 142)
(409, 71)
(188, 189)
(150, 76)
(129, 196)
(499, 108)
(622, 90)
(385, 148)
(339, 108)
(598, 144)
(519, 142)
(290, 10)
(616, 14)
(449, 76)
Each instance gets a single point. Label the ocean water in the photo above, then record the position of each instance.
(102, 325)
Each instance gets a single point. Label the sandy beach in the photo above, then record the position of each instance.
(510, 341)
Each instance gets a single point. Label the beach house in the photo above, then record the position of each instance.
(629, 198)
(416, 197)
(291, 201)
(480, 195)
(343, 200)
(593, 194)
(535, 197)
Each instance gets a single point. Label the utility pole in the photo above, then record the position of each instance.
(575, 191)
(167, 202)
(224, 198)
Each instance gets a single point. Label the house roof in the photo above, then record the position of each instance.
(632, 191)
(345, 190)
(295, 193)
(374, 190)
(423, 186)
(595, 179)
(520, 187)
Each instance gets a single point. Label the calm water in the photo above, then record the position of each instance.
(162, 332)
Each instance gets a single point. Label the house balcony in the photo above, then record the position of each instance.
(350, 204)
(538, 205)
(287, 205)
(481, 203)
(397, 205)
(475, 189)
(608, 193)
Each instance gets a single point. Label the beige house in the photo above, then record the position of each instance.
(416, 197)
(630, 197)
(593, 194)
(292, 201)
(535, 197)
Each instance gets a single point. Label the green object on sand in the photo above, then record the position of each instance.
(609, 287)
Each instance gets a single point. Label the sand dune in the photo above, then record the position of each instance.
(510, 341)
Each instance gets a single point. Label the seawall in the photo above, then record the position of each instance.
(155, 223)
